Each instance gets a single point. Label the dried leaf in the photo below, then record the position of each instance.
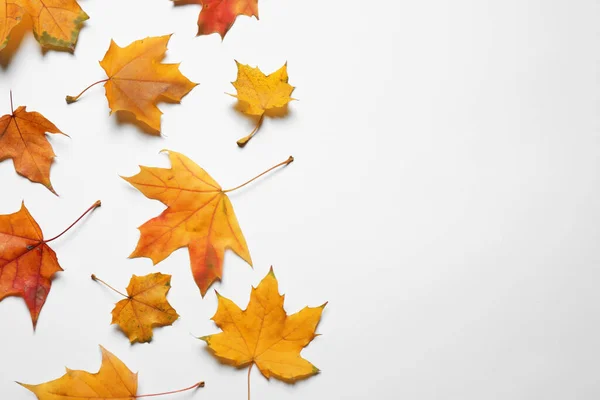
(259, 93)
(218, 16)
(27, 263)
(263, 334)
(145, 306)
(114, 381)
(10, 15)
(198, 215)
(137, 79)
(23, 138)
(56, 23)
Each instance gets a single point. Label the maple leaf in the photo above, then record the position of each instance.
(145, 306)
(259, 93)
(27, 263)
(198, 215)
(218, 16)
(56, 23)
(23, 138)
(263, 334)
(10, 16)
(137, 79)
(114, 381)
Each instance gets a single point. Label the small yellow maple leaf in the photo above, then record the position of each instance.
(259, 93)
(145, 306)
(263, 334)
(137, 79)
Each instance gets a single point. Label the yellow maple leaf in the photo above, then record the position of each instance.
(263, 334)
(145, 306)
(137, 79)
(10, 15)
(259, 93)
(199, 215)
(114, 381)
(56, 23)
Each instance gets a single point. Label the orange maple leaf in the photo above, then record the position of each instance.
(198, 215)
(263, 334)
(11, 13)
(27, 263)
(56, 23)
(114, 381)
(23, 138)
(137, 79)
(145, 306)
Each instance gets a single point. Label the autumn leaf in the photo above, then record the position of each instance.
(264, 335)
(218, 16)
(23, 138)
(114, 381)
(259, 93)
(145, 306)
(27, 263)
(199, 215)
(56, 23)
(11, 13)
(137, 79)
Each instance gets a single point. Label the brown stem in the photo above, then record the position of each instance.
(12, 109)
(96, 204)
(243, 141)
(199, 384)
(73, 99)
(249, 369)
(286, 162)
(94, 277)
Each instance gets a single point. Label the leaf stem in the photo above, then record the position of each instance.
(249, 369)
(96, 204)
(197, 385)
(243, 141)
(94, 277)
(12, 109)
(286, 162)
(73, 99)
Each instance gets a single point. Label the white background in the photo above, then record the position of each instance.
(445, 197)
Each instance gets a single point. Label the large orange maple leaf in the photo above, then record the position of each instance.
(137, 79)
(199, 215)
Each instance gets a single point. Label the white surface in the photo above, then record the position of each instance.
(445, 197)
